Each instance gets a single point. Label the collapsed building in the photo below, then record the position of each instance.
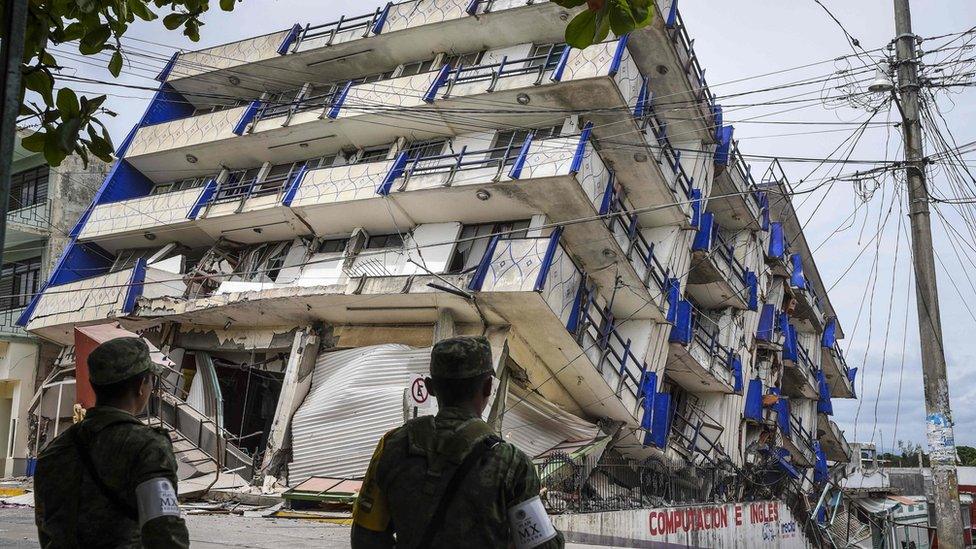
(297, 217)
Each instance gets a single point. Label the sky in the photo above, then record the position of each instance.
(737, 43)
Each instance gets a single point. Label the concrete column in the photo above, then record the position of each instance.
(294, 388)
(444, 327)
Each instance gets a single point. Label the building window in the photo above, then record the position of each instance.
(416, 67)
(464, 59)
(19, 281)
(545, 54)
(333, 245)
(264, 262)
(217, 107)
(425, 149)
(507, 142)
(278, 176)
(28, 187)
(373, 154)
(474, 240)
(237, 184)
(278, 103)
(181, 185)
(318, 97)
(374, 77)
(382, 241)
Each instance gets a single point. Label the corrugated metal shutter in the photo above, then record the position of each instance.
(356, 397)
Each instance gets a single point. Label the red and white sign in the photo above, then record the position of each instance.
(747, 524)
(417, 393)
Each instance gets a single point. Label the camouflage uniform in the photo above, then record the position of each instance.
(71, 510)
(412, 465)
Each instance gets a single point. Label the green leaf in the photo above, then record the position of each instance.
(643, 11)
(565, 3)
(68, 104)
(34, 142)
(140, 9)
(620, 17)
(580, 31)
(94, 41)
(174, 20)
(115, 64)
(41, 82)
(228, 5)
(52, 152)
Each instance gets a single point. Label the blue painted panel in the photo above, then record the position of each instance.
(573, 323)
(797, 280)
(381, 20)
(706, 231)
(557, 73)
(717, 118)
(290, 38)
(696, 207)
(824, 404)
(166, 105)
(724, 136)
(777, 241)
(168, 67)
(206, 194)
(786, 466)
(439, 81)
(790, 346)
(540, 281)
(246, 117)
(752, 282)
(338, 101)
(681, 332)
(294, 185)
(519, 163)
(136, 285)
(754, 396)
(479, 275)
(396, 170)
(829, 336)
(648, 392)
(736, 366)
(820, 471)
(643, 96)
(672, 19)
(767, 323)
(673, 289)
(783, 414)
(81, 260)
(661, 422)
(618, 54)
(851, 375)
(584, 137)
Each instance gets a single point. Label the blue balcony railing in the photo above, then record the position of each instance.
(597, 330)
(365, 25)
(692, 66)
(624, 225)
(709, 239)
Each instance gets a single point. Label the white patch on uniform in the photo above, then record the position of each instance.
(156, 498)
(530, 524)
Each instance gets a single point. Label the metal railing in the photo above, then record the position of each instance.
(367, 24)
(709, 341)
(8, 322)
(36, 216)
(801, 437)
(536, 64)
(682, 41)
(738, 163)
(727, 252)
(805, 358)
(463, 160)
(637, 249)
(598, 325)
(689, 427)
(578, 485)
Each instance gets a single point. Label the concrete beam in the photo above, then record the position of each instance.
(234, 339)
(444, 327)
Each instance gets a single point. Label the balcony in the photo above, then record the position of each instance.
(735, 199)
(799, 443)
(8, 323)
(362, 44)
(809, 315)
(665, 49)
(840, 378)
(832, 440)
(799, 379)
(717, 278)
(28, 223)
(694, 432)
(93, 300)
(697, 360)
(530, 284)
(769, 335)
(124, 224)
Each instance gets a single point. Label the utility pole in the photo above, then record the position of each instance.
(14, 25)
(938, 418)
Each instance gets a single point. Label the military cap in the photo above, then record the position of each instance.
(461, 358)
(119, 359)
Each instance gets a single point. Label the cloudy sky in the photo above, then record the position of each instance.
(738, 42)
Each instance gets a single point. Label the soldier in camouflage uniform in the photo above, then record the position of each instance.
(110, 480)
(447, 480)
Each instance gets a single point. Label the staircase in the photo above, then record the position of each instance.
(199, 443)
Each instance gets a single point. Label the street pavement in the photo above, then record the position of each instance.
(207, 531)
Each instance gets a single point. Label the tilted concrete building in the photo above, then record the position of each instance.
(299, 216)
